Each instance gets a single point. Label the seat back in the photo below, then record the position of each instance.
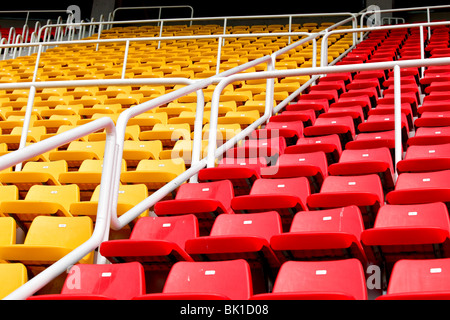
(219, 190)
(59, 231)
(314, 278)
(12, 276)
(63, 195)
(231, 279)
(175, 229)
(263, 225)
(346, 219)
(426, 276)
(121, 281)
(298, 187)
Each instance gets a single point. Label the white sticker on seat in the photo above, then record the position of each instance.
(321, 272)
(106, 274)
(248, 222)
(328, 218)
(166, 225)
(205, 189)
(412, 213)
(210, 272)
(435, 270)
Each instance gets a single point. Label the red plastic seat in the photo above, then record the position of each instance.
(330, 144)
(346, 109)
(242, 236)
(342, 126)
(312, 165)
(286, 196)
(366, 161)
(434, 102)
(433, 119)
(121, 281)
(386, 122)
(257, 148)
(430, 135)
(422, 158)
(289, 129)
(419, 280)
(317, 105)
(421, 187)
(156, 242)
(242, 172)
(205, 200)
(371, 140)
(331, 234)
(365, 191)
(212, 280)
(416, 231)
(319, 280)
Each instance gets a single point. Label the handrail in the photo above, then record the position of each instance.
(119, 222)
(113, 15)
(212, 152)
(108, 200)
(324, 50)
(103, 209)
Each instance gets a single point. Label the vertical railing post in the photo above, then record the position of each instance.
(160, 33)
(198, 134)
(422, 49)
(26, 123)
(219, 53)
(398, 117)
(125, 58)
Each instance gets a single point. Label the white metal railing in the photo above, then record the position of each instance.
(109, 201)
(160, 8)
(103, 210)
(109, 171)
(324, 49)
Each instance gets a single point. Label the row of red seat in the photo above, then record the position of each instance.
(316, 183)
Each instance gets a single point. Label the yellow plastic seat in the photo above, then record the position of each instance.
(79, 92)
(259, 105)
(53, 101)
(135, 151)
(168, 134)
(12, 276)
(126, 100)
(148, 120)
(129, 196)
(34, 173)
(78, 151)
(244, 118)
(183, 149)
(173, 109)
(89, 101)
(15, 121)
(189, 118)
(113, 91)
(154, 173)
(224, 107)
(87, 177)
(49, 239)
(239, 97)
(7, 231)
(55, 121)
(49, 92)
(100, 109)
(12, 139)
(62, 109)
(41, 200)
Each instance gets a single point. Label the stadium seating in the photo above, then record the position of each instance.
(212, 280)
(319, 280)
(418, 280)
(313, 193)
